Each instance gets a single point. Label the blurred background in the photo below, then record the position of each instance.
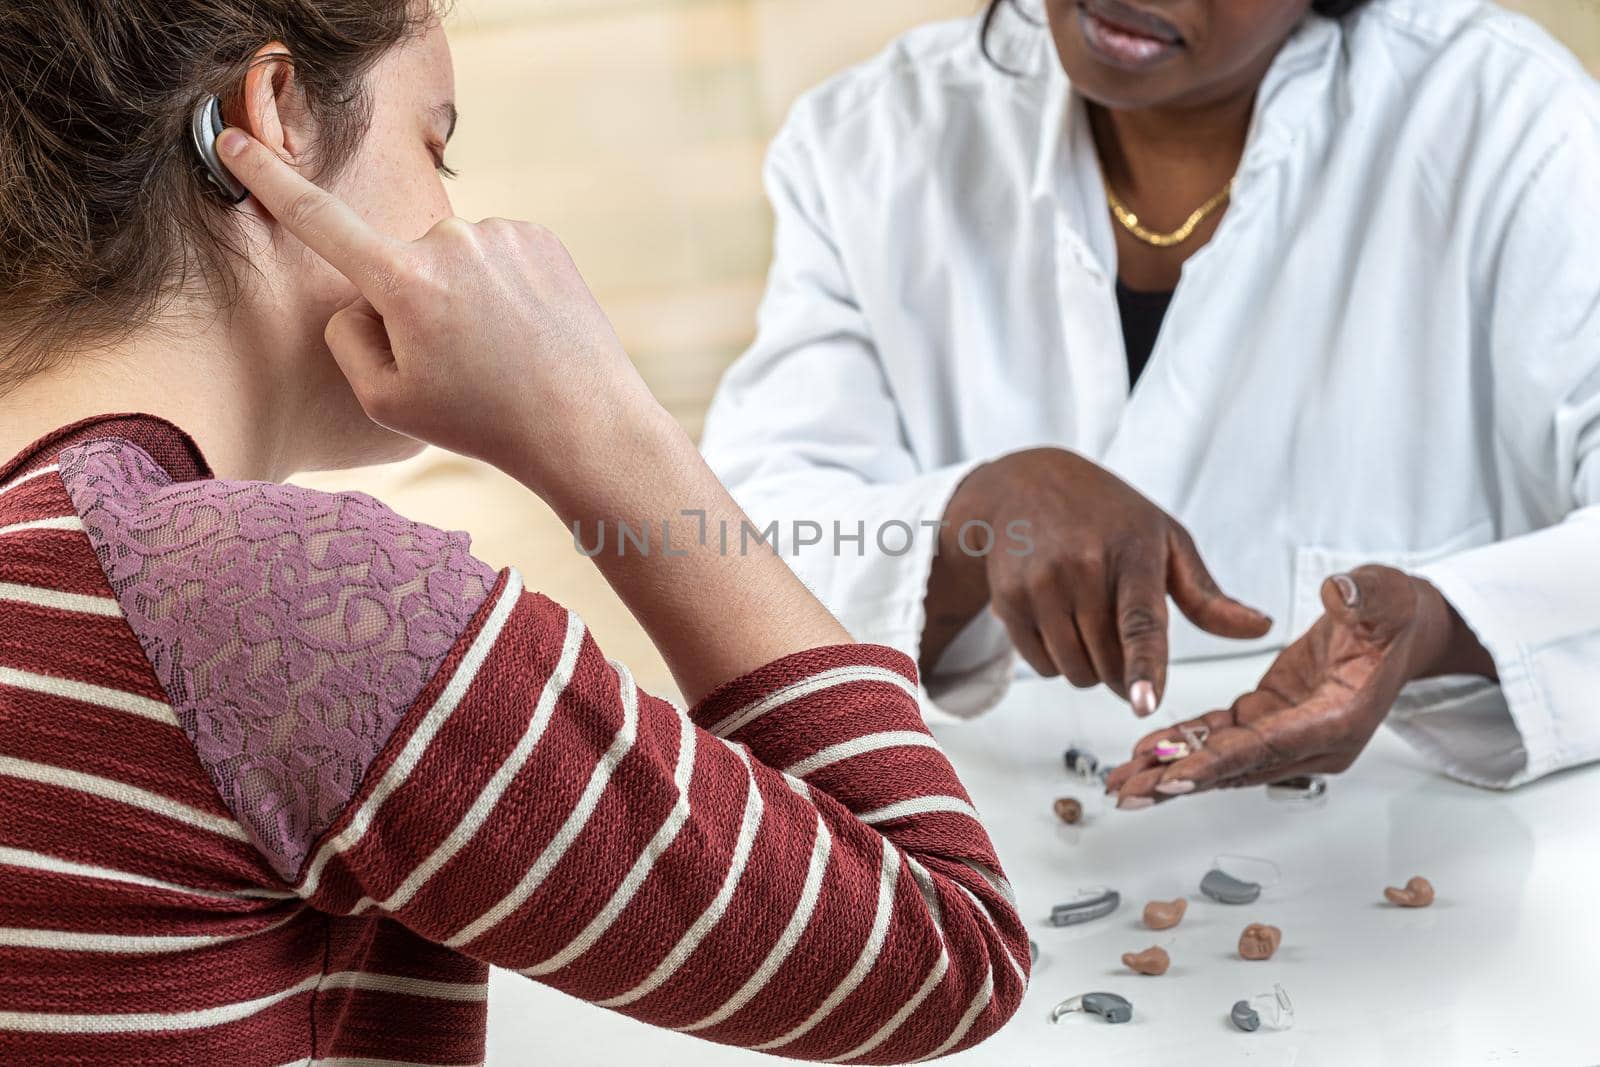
(636, 130)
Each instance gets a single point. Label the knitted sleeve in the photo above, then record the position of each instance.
(792, 865)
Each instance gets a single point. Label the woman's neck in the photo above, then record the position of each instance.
(1170, 160)
(198, 379)
(1166, 163)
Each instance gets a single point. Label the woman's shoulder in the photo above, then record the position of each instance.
(284, 556)
(1473, 46)
(291, 629)
(925, 81)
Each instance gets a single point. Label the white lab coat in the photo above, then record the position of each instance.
(1390, 351)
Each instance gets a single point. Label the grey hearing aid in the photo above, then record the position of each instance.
(1245, 1017)
(1224, 888)
(1109, 1006)
(1091, 905)
(204, 125)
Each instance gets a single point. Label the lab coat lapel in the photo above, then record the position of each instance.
(1066, 179)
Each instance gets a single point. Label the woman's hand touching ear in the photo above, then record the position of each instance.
(481, 338)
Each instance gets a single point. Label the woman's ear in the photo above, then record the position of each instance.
(271, 107)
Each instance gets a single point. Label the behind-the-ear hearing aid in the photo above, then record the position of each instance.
(205, 125)
(1109, 1006)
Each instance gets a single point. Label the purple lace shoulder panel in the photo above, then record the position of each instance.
(291, 629)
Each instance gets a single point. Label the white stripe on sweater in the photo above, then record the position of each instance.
(26, 478)
(888, 878)
(38, 861)
(127, 944)
(983, 909)
(822, 680)
(799, 920)
(432, 722)
(56, 600)
(936, 975)
(749, 827)
(483, 805)
(121, 793)
(994, 882)
(980, 1001)
(919, 806)
(148, 1022)
(86, 693)
(682, 776)
(860, 746)
(65, 522)
(556, 848)
(401, 985)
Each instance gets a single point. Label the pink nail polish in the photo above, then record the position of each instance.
(1143, 698)
(1176, 788)
(1135, 803)
(1348, 590)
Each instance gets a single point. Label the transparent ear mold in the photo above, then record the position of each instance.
(1239, 879)
(1307, 789)
(1273, 1010)
(1194, 739)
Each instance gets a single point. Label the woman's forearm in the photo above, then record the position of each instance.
(715, 598)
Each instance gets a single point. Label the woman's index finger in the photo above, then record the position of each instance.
(324, 223)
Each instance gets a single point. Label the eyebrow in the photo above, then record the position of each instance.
(447, 111)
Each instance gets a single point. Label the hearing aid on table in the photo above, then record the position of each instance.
(1306, 789)
(1109, 1006)
(1226, 882)
(1091, 904)
(204, 126)
(1274, 1008)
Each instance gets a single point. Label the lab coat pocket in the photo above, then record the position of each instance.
(1313, 564)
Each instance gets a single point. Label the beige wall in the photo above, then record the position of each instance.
(635, 129)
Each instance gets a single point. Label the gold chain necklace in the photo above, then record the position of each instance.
(1130, 221)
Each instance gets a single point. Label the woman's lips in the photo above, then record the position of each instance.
(1123, 45)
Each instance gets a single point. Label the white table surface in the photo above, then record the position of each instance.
(1504, 968)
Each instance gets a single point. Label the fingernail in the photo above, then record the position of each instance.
(1175, 788)
(231, 142)
(1135, 803)
(1143, 698)
(1349, 591)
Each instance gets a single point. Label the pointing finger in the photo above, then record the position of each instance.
(323, 222)
(1142, 629)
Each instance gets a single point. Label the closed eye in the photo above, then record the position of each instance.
(445, 170)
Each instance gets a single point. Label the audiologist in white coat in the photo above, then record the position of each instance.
(1061, 294)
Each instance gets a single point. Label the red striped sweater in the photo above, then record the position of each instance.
(282, 773)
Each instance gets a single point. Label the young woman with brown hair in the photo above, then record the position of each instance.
(283, 773)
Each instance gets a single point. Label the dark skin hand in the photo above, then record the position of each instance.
(1325, 696)
(1089, 600)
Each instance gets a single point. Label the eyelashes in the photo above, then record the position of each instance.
(446, 171)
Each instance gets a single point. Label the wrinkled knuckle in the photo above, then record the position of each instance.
(304, 210)
(388, 277)
(1138, 623)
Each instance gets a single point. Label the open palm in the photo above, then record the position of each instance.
(1313, 711)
